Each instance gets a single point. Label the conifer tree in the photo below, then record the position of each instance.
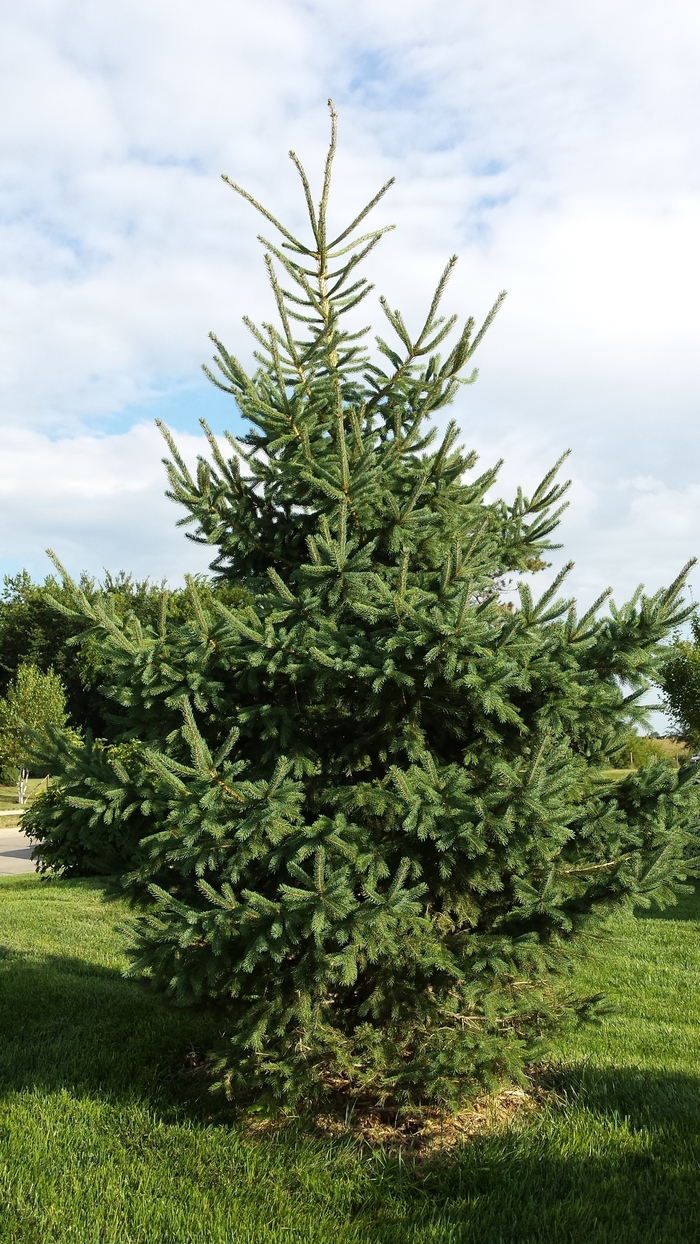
(378, 819)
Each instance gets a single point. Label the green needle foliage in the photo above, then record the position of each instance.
(378, 826)
(34, 632)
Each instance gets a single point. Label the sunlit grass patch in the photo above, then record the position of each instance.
(104, 1139)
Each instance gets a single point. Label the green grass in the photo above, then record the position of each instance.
(102, 1142)
(8, 794)
(8, 801)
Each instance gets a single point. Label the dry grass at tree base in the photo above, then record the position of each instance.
(422, 1131)
(428, 1132)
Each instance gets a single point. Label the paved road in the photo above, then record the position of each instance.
(15, 852)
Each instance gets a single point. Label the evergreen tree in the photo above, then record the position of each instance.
(378, 821)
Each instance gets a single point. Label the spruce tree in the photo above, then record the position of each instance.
(379, 824)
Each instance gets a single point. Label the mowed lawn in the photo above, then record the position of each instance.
(9, 803)
(104, 1141)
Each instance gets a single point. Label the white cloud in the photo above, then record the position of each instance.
(555, 147)
(98, 501)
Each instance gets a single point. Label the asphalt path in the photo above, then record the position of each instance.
(15, 853)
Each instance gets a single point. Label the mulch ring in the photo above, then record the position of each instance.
(421, 1130)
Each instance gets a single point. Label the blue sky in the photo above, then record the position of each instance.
(180, 402)
(554, 147)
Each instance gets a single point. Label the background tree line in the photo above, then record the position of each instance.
(51, 667)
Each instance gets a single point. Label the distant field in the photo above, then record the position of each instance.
(8, 801)
(674, 749)
(671, 748)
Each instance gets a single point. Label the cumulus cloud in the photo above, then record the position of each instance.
(554, 147)
(98, 501)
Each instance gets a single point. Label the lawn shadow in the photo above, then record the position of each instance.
(654, 1100)
(616, 1161)
(687, 908)
(70, 1024)
(614, 1158)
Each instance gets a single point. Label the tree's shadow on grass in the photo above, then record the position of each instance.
(67, 1023)
(616, 1162)
(614, 1159)
(687, 908)
(642, 1099)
